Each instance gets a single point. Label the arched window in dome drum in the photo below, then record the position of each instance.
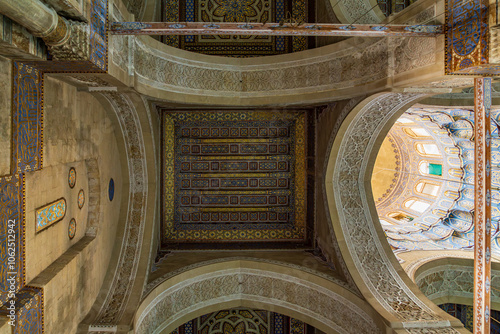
(427, 149)
(427, 188)
(402, 217)
(427, 168)
(416, 205)
(416, 132)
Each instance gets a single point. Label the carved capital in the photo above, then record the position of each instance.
(76, 45)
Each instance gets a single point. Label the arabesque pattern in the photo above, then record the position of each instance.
(213, 11)
(362, 240)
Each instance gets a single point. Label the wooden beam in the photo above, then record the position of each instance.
(482, 205)
(274, 29)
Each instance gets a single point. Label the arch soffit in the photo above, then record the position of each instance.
(374, 267)
(130, 256)
(340, 70)
(451, 280)
(245, 283)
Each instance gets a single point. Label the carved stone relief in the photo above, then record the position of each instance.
(123, 280)
(362, 240)
(453, 280)
(269, 288)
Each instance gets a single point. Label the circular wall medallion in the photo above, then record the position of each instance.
(81, 198)
(111, 189)
(72, 177)
(72, 228)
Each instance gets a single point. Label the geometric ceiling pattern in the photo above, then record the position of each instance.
(252, 11)
(233, 177)
(432, 205)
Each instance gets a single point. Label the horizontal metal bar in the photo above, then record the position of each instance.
(273, 29)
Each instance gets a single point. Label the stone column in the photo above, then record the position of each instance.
(35, 16)
(67, 40)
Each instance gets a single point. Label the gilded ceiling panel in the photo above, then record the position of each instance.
(234, 176)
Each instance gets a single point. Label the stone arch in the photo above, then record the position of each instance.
(245, 283)
(451, 280)
(374, 267)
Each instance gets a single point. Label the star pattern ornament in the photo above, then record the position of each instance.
(235, 10)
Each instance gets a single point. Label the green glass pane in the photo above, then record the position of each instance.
(435, 169)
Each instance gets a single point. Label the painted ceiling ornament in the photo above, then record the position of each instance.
(348, 28)
(488, 255)
(424, 29)
(211, 26)
(72, 228)
(379, 28)
(130, 25)
(81, 199)
(245, 26)
(488, 284)
(235, 10)
(177, 26)
(313, 27)
(72, 177)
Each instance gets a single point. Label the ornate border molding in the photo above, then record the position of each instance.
(355, 216)
(453, 281)
(258, 286)
(154, 284)
(124, 277)
(342, 116)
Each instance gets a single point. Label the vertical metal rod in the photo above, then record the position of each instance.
(482, 205)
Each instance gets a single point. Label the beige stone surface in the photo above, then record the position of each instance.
(77, 128)
(5, 328)
(5, 115)
(44, 247)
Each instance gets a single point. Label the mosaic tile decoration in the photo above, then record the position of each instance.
(242, 321)
(81, 199)
(234, 176)
(466, 35)
(99, 33)
(50, 214)
(12, 216)
(27, 118)
(28, 305)
(72, 177)
(236, 11)
(72, 228)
